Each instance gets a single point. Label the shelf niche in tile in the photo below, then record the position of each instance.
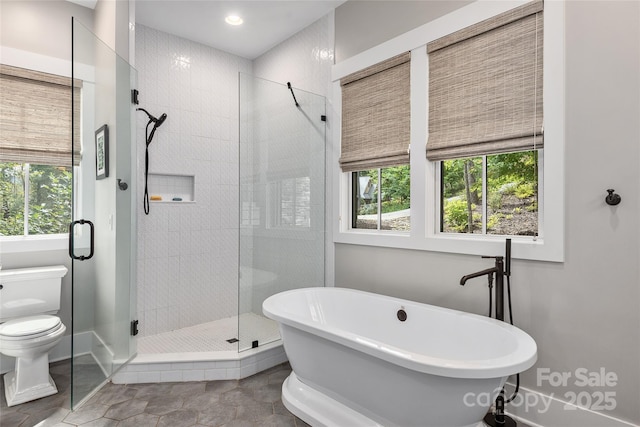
(170, 187)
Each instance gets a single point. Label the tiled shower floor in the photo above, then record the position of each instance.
(212, 336)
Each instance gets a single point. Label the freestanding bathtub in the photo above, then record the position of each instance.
(355, 361)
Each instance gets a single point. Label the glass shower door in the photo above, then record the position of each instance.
(282, 199)
(102, 234)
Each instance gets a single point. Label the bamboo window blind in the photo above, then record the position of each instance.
(376, 115)
(35, 118)
(485, 86)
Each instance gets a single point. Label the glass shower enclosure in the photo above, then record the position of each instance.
(102, 236)
(281, 200)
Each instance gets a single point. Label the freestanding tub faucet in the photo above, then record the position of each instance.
(498, 419)
(498, 270)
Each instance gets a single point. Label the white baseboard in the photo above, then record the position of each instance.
(540, 410)
(82, 343)
(102, 354)
(202, 366)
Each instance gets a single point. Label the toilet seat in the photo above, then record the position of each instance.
(30, 327)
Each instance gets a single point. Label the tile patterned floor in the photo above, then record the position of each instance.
(250, 402)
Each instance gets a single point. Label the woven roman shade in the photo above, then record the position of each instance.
(376, 116)
(35, 118)
(485, 86)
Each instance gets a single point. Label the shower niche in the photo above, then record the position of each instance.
(171, 188)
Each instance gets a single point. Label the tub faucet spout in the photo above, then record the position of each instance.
(488, 271)
(498, 269)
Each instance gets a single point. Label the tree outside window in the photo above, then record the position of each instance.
(495, 194)
(42, 191)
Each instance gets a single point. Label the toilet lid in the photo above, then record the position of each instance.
(28, 326)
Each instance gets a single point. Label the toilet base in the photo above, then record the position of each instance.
(16, 396)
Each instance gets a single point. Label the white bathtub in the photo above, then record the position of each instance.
(356, 364)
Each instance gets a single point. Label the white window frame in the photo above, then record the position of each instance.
(378, 203)
(438, 201)
(425, 191)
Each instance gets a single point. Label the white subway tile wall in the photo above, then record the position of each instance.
(187, 257)
(305, 59)
(277, 147)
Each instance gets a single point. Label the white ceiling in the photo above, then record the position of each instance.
(266, 23)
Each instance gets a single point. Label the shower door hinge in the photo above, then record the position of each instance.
(134, 96)
(134, 328)
(323, 118)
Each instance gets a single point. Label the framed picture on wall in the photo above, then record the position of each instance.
(102, 152)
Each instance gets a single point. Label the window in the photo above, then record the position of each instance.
(494, 194)
(35, 199)
(36, 152)
(381, 199)
(485, 97)
(374, 144)
(509, 161)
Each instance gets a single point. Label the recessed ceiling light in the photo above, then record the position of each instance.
(233, 20)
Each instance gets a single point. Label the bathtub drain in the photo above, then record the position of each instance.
(402, 315)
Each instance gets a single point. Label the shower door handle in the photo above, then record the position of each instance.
(71, 245)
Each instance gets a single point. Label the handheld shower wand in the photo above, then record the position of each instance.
(157, 122)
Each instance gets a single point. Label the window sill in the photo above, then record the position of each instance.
(522, 247)
(375, 234)
(16, 244)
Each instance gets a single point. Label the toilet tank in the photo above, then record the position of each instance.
(30, 291)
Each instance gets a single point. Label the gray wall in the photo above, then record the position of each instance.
(583, 312)
(42, 27)
(112, 26)
(114, 245)
(356, 21)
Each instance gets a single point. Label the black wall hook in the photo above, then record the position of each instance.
(612, 198)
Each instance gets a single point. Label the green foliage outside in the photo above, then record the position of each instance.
(453, 183)
(509, 176)
(396, 189)
(50, 190)
(457, 217)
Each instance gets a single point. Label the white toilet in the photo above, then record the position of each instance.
(29, 298)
